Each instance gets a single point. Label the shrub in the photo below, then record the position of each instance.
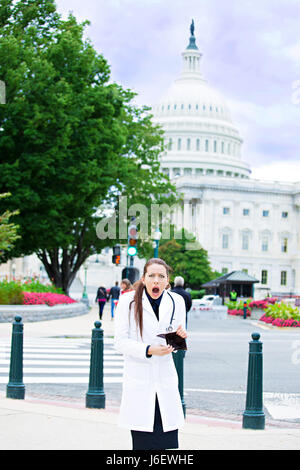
(11, 293)
(197, 294)
(281, 314)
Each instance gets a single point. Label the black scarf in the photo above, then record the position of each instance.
(154, 303)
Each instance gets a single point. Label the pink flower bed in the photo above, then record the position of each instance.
(262, 303)
(280, 321)
(46, 298)
(239, 312)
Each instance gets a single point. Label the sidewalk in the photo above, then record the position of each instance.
(80, 326)
(33, 424)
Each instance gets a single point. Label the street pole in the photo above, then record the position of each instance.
(95, 396)
(15, 387)
(84, 297)
(178, 358)
(254, 417)
(157, 235)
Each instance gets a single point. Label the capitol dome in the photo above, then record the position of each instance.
(200, 136)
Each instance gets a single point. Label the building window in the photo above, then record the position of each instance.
(264, 276)
(283, 277)
(179, 144)
(206, 145)
(265, 213)
(228, 148)
(225, 241)
(265, 244)
(198, 145)
(246, 212)
(245, 241)
(226, 210)
(188, 144)
(197, 107)
(215, 146)
(284, 215)
(284, 245)
(170, 144)
(182, 106)
(199, 171)
(224, 271)
(222, 147)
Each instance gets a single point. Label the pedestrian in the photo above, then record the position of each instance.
(114, 294)
(126, 286)
(233, 296)
(151, 406)
(101, 299)
(178, 288)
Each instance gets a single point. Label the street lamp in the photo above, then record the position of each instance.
(157, 237)
(85, 298)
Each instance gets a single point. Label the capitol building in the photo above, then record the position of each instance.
(243, 223)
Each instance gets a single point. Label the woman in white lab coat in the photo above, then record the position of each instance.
(151, 405)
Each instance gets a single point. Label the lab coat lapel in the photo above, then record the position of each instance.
(165, 309)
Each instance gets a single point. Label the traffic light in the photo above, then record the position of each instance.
(132, 240)
(116, 257)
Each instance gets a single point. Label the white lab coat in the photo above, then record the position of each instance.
(145, 377)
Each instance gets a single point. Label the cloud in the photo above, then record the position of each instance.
(251, 53)
(285, 171)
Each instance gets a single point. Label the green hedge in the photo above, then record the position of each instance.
(197, 294)
(11, 292)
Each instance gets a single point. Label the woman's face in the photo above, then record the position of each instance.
(123, 286)
(155, 280)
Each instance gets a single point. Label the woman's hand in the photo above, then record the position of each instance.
(160, 350)
(181, 332)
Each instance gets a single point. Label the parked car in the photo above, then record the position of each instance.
(207, 300)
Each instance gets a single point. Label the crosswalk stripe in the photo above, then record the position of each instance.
(45, 361)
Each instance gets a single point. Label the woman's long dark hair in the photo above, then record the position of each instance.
(139, 288)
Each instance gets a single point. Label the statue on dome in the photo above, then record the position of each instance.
(192, 28)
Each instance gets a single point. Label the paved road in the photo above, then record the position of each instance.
(215, 368)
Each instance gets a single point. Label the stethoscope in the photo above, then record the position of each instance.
(170, 327)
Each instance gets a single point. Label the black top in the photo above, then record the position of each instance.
(186, 296)
(114, 292)
(154, 303)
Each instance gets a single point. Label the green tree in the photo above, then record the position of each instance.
(187, 259)
(8, 230)
(71, 142)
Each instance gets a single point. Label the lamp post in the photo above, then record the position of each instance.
(157, 237)
(85, 298)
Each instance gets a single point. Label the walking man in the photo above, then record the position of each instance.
(114, 294)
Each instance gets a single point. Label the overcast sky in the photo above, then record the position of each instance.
(251, 54)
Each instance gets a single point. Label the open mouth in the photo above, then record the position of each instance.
(155, 290)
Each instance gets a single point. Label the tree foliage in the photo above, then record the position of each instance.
(187, 259)
(71, 142)
(8, 230)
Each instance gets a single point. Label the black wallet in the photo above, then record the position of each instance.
(174, 340)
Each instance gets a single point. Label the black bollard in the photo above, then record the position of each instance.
(15, 387)
(178, 358)
(254, 417)
(95, 396)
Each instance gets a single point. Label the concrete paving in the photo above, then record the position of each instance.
(34, 424)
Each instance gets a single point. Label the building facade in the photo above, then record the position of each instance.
(243, 223)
